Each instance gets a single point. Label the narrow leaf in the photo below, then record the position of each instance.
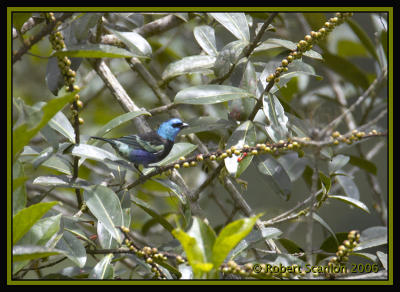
(73, 248)
(23, 134)
(244, 134)
(134, 41)
(106, 207)
(27, 217)
(337, 162)
(189, 65)
(103, 269)
(154, 214)
(209, 94)
(273, 110)
(236, 23)
(96, 51)
(230, 236)
(31, 252)
(274, 175)
(351, 201)
(205, 37)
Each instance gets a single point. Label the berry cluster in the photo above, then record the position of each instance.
(307, 43)
(64, 63)
(346, 248)
(349, 139)
(151, 255)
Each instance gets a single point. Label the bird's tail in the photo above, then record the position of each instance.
(100, 138)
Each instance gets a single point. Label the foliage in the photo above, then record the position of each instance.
(272, 123)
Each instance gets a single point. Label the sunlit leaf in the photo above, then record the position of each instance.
(106, 207)
(209, 94)
(103, 269)
(230, 236)
(351, 201)
(274, 175)
(236, 23)
(96, 51)
(189, 65)
(134, 41)
(31, 252)
(27, 217)
(205, 37)
(24, 133)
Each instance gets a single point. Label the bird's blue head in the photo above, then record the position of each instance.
(169, 129)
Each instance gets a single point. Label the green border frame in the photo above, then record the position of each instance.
(389, 10)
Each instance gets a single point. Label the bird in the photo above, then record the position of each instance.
(147, 148)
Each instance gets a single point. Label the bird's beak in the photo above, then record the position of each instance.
(184, 125)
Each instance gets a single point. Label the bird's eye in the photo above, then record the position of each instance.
(177, 125)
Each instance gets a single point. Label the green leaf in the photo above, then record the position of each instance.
(31, 252)
(154, 214)
(249, 79)
(316, 20)
(229, 55)
(256, 235)
(209, 94)
(236, 23)
(207, 124)
(229, 237)
(178, 150)
(27, 217)
(106, 207)
(337, 162)
(96, 51)
(326, 182)
(103, 269)
(121, 119)
(93, 152)
(24, 133)
(321, 221)
(73, 248)
(189, 65)
(42, 231)
(290, 246)
(244, 134)
(363, 37)
(273, 110)
(363, 163)
(348, 49)
(19, 18)
(346, 69)
(351, 201)
(372, 237)
(205, 37)
(383, 258)
(61, 124)
(275, 175)
(60, 181)
(135, 42)
(197, 243)
(349, 186)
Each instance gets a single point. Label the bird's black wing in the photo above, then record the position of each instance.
(151, 142)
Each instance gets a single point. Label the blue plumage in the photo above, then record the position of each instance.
(149, 147)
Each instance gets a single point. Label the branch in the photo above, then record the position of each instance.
(36, 38)
(332, 125)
